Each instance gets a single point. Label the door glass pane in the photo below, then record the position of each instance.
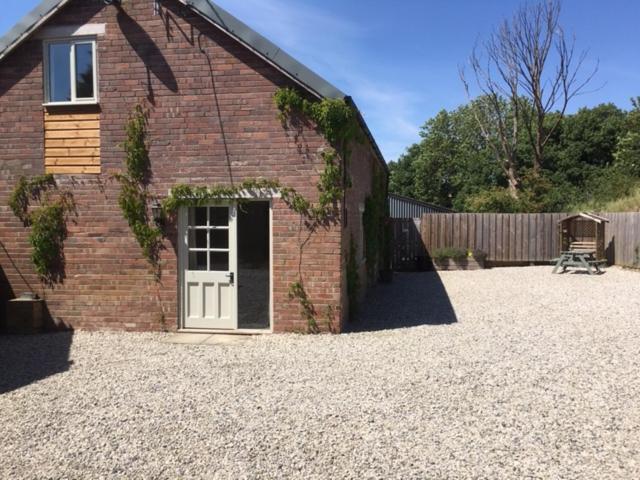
(198, 217)
(197, 239)
(219, 238)
(197, 260)
(253, 265)
(60, 72)
(84, 70)
(219, 216)
(219, 262)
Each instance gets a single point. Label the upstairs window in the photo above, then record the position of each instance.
(70, 72)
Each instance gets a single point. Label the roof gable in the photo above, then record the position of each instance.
(227, 23)
(211, 12)
(29, 24)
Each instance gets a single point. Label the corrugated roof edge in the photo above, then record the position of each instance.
(420, 202)
(229, 24)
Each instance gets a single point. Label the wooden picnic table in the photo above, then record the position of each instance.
(579, 259)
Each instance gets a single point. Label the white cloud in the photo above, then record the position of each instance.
(328, 44)
(390, 113)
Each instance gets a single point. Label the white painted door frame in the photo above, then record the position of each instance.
(183, 262)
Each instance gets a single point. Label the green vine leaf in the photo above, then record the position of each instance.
(134, 196)
(47, 222)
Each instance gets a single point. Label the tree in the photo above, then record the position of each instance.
(591, 158)
(524, 71)
(451, 162)
(402, 178)
(627, 156)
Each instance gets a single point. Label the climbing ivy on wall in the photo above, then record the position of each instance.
(353, 278)
(47, 222)
(333, 118)
(134, 195)
(338, 123)
(375, 229)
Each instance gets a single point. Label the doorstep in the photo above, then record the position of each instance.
(185, 338)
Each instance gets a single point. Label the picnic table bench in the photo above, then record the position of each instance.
(579, 259)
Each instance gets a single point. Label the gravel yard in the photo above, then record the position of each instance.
(503, 373)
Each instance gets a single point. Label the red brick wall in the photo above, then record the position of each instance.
(361, 166)
(212, 120)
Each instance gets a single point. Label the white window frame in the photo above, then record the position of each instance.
(72, 71)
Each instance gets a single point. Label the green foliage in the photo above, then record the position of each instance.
(189, 196)
(330, 187)
(48, 223)
(593, 158)
(308, 310)
(353, 278)
(611, 202)
(627, 155)
(48, 233)
(134, 196)
(333, 117)
(456, 254)
(27, 190)
(451, 162)
(446, 253)
(338, 122)
(493, 200)
(135, 147)
(373, 220)
(387, 252)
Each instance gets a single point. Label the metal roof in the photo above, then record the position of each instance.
(405, 207)
(230, 25)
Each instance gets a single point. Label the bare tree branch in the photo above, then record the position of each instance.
(526, 70)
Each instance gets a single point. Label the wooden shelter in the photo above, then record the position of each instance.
(583, 232)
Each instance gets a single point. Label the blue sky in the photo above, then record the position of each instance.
(399, 58)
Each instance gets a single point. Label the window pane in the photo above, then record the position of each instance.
(219, 262)
(219, 238)
(60, 72)
(219, 216)
(197, 239)
(198, 216)
(197, 260)
(84, 70)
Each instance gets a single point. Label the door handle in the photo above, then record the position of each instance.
(231, 276)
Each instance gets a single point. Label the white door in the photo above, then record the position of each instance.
(209, 297)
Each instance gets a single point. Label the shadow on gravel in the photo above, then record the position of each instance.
(412, 299)
(25, 359)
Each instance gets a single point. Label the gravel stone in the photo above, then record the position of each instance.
(502, 373)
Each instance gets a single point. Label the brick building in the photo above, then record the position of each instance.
(70, 75)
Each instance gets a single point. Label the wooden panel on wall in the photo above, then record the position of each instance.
(72, 140)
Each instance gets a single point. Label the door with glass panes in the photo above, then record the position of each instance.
(209, 296)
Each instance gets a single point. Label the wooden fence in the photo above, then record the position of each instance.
(408, 247)
(622, 239)
(507, 238)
